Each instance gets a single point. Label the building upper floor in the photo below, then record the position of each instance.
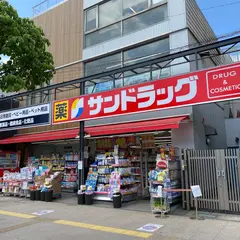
(118, 24)
(86, 29)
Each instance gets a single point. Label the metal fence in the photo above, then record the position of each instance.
(44, 6)
(217, 173)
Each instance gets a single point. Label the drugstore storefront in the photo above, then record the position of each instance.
(130, 148)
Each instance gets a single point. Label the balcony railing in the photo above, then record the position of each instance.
(45, 5)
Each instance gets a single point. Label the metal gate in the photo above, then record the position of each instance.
(217, 173)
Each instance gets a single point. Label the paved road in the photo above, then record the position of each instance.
(83, 222)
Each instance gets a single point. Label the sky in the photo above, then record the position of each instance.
(222, 19)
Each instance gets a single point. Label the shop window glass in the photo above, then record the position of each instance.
(103, 35)
(110, 12)
(119, 83)
(89, 89)
(131, 7)
(145, 19)
(145, 52)
(104, 86)
(136, 78)
(91, 19)
(103, 64)
(161, 73)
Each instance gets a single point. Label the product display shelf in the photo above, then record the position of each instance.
(159, 201)
(8, 160)
(128, 189)
(144, 163)
(70, 174)
(104, 168)
(167, 176)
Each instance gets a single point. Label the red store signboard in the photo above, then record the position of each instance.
(206, 86)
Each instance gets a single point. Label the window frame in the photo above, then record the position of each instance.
(115, 23)
(121, 52)
(150, 6)
(98, 13)
(132, 16)
(85, 19)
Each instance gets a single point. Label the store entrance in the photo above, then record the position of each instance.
(134, 165)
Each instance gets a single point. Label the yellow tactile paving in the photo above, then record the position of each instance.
(15, 214)
(105, 229)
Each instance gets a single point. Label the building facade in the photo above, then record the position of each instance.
(92, 36)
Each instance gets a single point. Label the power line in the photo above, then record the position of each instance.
(220, 6)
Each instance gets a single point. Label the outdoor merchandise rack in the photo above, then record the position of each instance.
(110, 174)
(66, 164)
(9, 161)
(30, 179)
(165, 177)
(17, 183)
(70, 171)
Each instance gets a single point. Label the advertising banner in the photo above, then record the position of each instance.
(121, 142)
(25, 117)
(206, 86)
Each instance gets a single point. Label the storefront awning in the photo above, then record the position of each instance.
(44, 136)
(113, 129)
(135, 127)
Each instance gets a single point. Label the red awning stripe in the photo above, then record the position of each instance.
(123, 128)
(135, 127)
(44, 136)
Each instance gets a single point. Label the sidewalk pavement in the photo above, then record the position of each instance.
(90, 222)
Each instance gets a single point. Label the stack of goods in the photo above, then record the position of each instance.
(166, 175)
(53, 182)
(160, 200)
(127, 181)
(70, 170)
(115, 183)
(103, 188)
(32, 161)
(9, 160)
(135, 170)
(91, 181)
(123, 162)
(123, 171)
(113, 174)
(17, 182)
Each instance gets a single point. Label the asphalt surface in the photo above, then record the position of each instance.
(66, 222)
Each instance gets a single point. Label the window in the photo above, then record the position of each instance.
(146, 51)
(103, 86)
(103, 64)
(110, 12)
(136, 78)
(157, 1)
(131, 7)
(161, 73)
(145, 19)
(132, 56)
(107, 21)
(91, 19)
(103, 35)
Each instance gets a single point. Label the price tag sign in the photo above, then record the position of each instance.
(79, 165)
(159, 191)
(196, 190)
(25, 185)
